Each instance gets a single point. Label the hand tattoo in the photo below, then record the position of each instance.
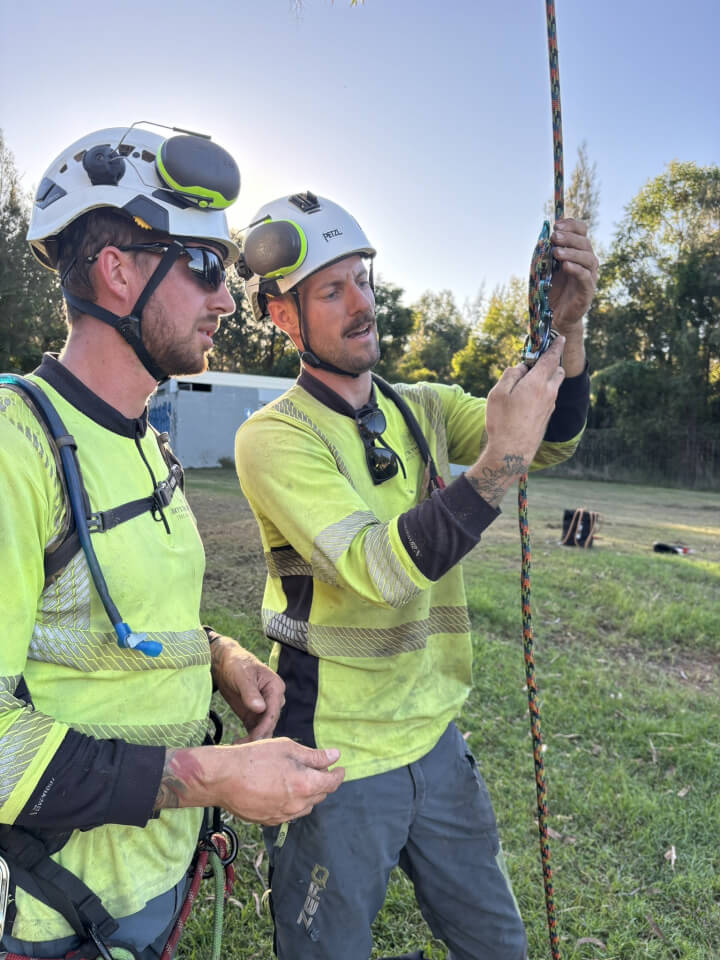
(493, 485)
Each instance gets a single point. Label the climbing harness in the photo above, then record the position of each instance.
(28, 857)
(217, 846)
(539, 338)
(87, 522)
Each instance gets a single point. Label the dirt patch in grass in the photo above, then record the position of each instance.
(702, 672)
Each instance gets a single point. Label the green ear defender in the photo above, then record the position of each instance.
(200, 171)
(275, 248)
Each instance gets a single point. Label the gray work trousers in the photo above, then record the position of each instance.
(329, 871)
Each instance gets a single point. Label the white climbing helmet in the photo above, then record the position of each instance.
(179, 185)
(291, 238)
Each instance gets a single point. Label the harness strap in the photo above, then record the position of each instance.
(436, 482)
(31, 867)
(102, 520)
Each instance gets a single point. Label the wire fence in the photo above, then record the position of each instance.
(688, 459)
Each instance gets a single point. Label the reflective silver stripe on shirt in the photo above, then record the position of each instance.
(280, 627)
(386, 642)
(287, 563)
(88, 651)
(60, 516)
(386, 572)
(66, 601)
(336, 641)
(333, 541)
(18, 747)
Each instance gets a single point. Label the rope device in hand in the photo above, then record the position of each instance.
(540, 336)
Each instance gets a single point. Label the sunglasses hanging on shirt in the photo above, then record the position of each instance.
(382, 461)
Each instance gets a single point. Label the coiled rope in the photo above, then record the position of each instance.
(539, 337)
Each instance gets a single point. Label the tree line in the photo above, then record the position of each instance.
(652, 333)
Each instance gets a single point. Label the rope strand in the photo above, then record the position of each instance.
(540, 276)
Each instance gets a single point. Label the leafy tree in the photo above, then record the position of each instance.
(246, 345)
(31, 308)
(496, 342)
(439, 331)
(582, 192)
(395, 322)
(654, 328)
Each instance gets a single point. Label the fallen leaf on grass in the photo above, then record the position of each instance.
(684, 792)
(235, 903)
(653, 926)
(671, 856)
(553, 834)
(258, 908)
(256, 865)
(593, 941)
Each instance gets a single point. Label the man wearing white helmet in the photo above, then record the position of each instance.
(363, 532)
(103, 736)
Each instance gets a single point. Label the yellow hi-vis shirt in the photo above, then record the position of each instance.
(59, 639)
(375, 655)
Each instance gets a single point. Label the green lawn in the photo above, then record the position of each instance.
(628, 658)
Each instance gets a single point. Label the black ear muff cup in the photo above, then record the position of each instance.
(275, 249)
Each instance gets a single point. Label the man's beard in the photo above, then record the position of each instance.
(176, 357)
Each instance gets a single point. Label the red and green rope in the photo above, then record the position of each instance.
(539, 337)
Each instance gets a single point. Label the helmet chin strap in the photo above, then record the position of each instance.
(129, 327)
(307, 354)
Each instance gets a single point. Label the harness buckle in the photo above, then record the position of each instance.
(4, 892)
(102, 947)
(165, 490)
(163, 494)
(96, 522)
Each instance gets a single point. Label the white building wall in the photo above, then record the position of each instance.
(202, 422)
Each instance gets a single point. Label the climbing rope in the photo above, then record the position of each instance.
(213, 851)
(540, 335)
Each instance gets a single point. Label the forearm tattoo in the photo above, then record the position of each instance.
(493, 484)
(177, 773)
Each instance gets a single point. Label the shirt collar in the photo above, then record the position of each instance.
(316, 388)
(90, 404)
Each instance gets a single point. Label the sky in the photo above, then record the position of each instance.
(429, 120)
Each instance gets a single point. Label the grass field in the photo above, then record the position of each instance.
(628, 662)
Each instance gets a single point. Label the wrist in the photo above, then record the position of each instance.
(220, 648)
(493, 474)
(184, 781)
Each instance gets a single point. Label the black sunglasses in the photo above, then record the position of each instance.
(382, 461)
(205, 265)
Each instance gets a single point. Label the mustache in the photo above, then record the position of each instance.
(365, 319)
